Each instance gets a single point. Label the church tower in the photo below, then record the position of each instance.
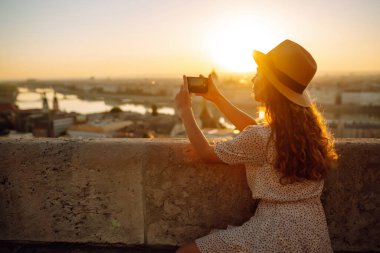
(45, 105)
(55, 103)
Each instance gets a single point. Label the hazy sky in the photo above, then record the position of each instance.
(137, 38)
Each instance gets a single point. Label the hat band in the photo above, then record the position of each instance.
(285, 79)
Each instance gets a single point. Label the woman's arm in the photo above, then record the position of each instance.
(237, 117)
(194, 133)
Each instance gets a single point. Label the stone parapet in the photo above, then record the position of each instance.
(157, 192)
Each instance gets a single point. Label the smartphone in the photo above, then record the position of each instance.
(197, 84)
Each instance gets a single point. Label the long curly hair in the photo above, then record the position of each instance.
(305, 147)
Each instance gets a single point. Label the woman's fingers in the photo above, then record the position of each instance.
(185, 84)
(210, 79)
(183, 98)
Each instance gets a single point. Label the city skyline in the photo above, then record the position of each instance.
(79, 39)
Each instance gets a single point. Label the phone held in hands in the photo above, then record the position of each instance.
(197, 84)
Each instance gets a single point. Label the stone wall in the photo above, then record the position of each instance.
(157, 192)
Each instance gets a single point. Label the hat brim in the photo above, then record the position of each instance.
(297, 98)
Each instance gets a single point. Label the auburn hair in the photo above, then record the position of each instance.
(304, 145)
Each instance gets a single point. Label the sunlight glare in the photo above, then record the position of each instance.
(261, 113)
(231, 44)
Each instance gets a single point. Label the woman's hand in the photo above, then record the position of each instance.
(194, 133)
(183, 98)
(212, 93)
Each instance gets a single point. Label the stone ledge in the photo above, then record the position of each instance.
(156, 192)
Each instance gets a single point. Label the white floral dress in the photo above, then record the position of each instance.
(289, 218)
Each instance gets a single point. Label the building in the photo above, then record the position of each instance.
(98, 129)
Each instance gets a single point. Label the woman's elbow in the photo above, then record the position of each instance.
(209, 156)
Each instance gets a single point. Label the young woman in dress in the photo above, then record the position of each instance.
(286, 160)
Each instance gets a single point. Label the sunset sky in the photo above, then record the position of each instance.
(157, 38)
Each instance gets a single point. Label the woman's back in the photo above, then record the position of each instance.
(254, 148)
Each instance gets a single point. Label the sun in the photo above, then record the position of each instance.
(231, 43)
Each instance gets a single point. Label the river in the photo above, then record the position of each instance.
(31, 99)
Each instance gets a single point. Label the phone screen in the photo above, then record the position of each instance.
(197, 84)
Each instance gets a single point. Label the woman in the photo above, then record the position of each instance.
(286, 159)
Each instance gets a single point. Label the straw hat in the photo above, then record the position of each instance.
(290, 68)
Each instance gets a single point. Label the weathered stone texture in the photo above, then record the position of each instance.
(185, 198)
(71, 191)
(157, 192)
(351, 196)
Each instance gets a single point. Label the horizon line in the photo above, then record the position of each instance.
(172, 76)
